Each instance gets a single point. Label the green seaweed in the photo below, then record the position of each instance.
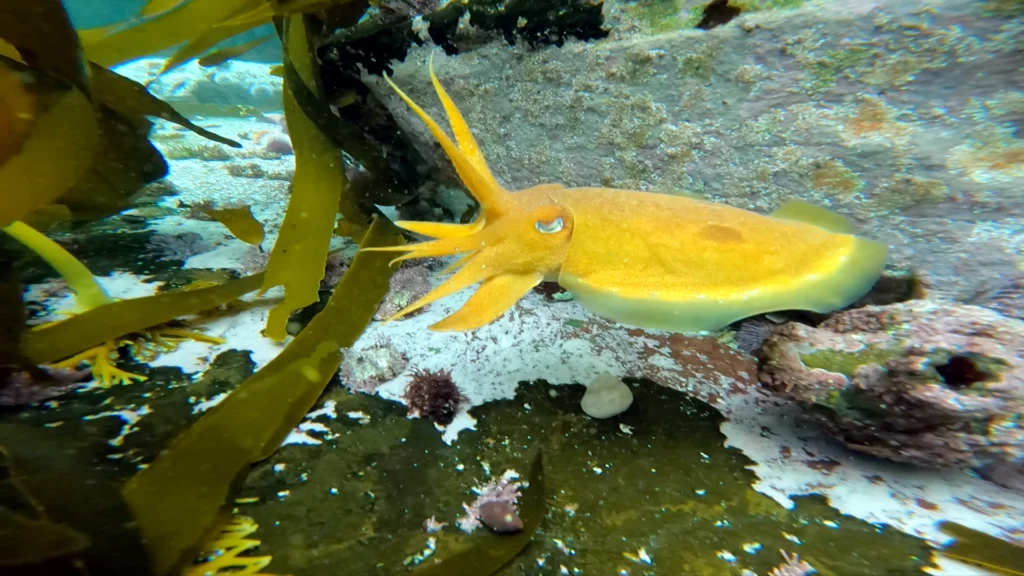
(297, 260)
(105, 323)
(847, 363)
(181, 499)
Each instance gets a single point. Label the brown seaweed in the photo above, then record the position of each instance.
(111, 321)
(182, 497)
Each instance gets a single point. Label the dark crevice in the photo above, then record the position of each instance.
(961, 372)
(716, 13)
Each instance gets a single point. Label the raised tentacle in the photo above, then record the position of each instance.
(491, 198)
(441, 229)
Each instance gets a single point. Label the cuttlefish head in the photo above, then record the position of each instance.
(517, 240)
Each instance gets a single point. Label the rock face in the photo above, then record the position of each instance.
(900, 113)
(932, 384)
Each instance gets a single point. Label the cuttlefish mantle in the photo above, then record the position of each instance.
(646, 259)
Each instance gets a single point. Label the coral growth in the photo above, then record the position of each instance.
(433, 395)
(365, 369)
(928, 383)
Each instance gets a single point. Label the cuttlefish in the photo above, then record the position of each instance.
(652, 260)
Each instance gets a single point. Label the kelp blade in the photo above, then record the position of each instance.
(297, 260)
(68, 337)
(168, 29)
(133, 101)
(181, 498)
(209, 38)
(980, 549)
(239, 221)
(42, 33)
(222, 55)
(490, 556)
(64, 136)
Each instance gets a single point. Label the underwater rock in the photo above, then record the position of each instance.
(606, 396)
(366, 368)
(832, 102)
(408, 284)
(923, 382)
(500, 517)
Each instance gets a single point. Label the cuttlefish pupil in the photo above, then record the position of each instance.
(551, 227)
(669, 262)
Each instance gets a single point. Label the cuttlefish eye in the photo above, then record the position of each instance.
(549, 226)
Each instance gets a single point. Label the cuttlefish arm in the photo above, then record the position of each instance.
(652, 260)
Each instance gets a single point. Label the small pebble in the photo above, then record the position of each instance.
(606, 396)
(500, 517)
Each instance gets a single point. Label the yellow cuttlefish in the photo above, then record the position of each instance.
(640, 258)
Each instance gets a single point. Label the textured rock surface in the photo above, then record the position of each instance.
(922, 382)
(899, 113)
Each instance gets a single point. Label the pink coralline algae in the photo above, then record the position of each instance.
(923, 382)
(499, 498)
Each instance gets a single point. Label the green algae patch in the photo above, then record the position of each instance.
(656, 478)
(181, 499)
(847, 363)
(980, 549)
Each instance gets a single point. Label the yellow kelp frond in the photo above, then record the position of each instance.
(133, 101)
(482, 187)
(239, 221)
(65, 134)
(154, 7)
(66, 338)
(148, 345)
(88, 292)
(222, 55)
(180, 498)
(297, 260)
(980, 549)
(101, 361)
(210, 37)
(165, 30)
(223, 555)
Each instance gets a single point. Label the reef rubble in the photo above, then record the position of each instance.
(922, 382)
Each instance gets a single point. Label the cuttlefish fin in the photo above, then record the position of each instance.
(808, 213)
(483, 187)
(494, 297)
